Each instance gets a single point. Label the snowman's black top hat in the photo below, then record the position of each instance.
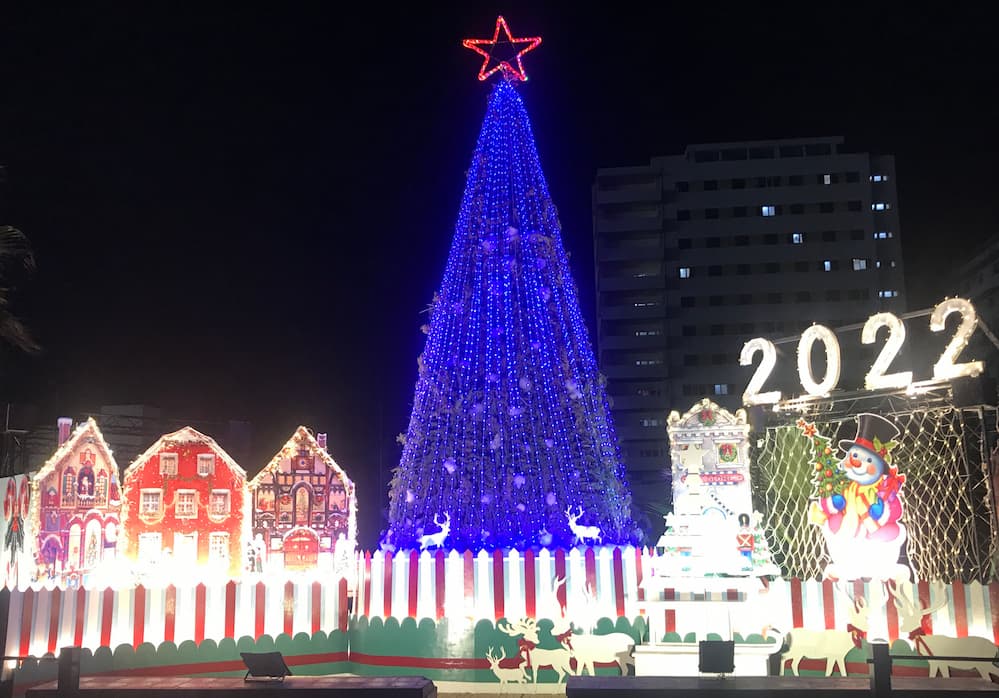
(869, 427)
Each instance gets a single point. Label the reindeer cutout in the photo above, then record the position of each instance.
(526, 629)
(911, 614)
(583, 533)
(831, 645)
(436, 540)
(506, 674)
(589, 650)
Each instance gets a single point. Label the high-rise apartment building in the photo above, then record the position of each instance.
(697, 253)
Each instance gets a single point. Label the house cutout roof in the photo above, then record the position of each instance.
(87, 429)
(291, 446)
(185, 435)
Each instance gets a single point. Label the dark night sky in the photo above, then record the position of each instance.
(240, 213)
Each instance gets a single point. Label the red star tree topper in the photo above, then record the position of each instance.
(486, 48)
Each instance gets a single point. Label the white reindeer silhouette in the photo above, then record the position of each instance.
(436, 540)
(583, 533)
(527, 630)
(831, 645)
(911, 613)
(505, 675)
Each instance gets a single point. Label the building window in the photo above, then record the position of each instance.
(827, 265)
(683, 215)
(150, 546)
(827, 179)
(826, 207)
(741, 240)
(716, 300)
(683, 186)
(739, 212)
(168, 464)
(218, 547)
(218, 503)
(833, 295)
(715, 270)
(691, 359)
(857, 235)
(648, 362)
(801, 266)
(770, 239)
(768, 211)
(721, 388)
(738, 183)
(650, 422)
(711, 213)
(712, 242)
(150, 501)
(686, 301)
(852, 205)
(797, 238)
(882, 235)
(880, 206)
(206, 464)
(879, 178)
(689, 331)
(795, 180)
(859, 264)
(771, 267)
(797, 209)
(187, 504)
(887, 294)
(684, 272)
(684, 243)
(828, 236)
(716, 330)
(710, 185)
(648, 333)
(719, 359)
(743, 269)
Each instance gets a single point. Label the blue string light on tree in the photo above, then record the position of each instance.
(510, 424)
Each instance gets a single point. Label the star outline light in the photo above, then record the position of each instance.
(509, 71)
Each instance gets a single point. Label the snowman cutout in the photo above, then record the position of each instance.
(860, 521)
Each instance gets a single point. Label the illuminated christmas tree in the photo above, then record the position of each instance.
(510, 431)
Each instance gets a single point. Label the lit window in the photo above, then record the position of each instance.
(882, 235)
(879, 178)
(218, 547)
(187, 504)
(684, 272)
(768, 210)
(650, 422)
(859, 264)
(887, 294)
(797, 238)
(168, 464)
(880, 206)
(721, 388)
(150, 503)
(206, 464)
(827, 179)
(644, 304)
(827, 265)
(218, 504)
(648, 362)
(648, 333)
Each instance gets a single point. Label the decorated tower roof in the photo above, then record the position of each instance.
(707, 414)
(182, 436)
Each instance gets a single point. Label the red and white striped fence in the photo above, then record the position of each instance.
(599, 582)
(43, 620)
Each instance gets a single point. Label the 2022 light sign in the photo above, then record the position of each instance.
(877, 377)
